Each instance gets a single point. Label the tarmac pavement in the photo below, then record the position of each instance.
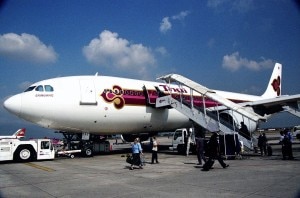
(175, 176)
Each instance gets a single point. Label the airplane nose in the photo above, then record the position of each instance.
(13, 104)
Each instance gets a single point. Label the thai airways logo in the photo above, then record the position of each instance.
(115, 96)
(276, 85)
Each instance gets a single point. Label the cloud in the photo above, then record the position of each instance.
(161, 50)
(111, 50)
(234, 62)
(241, 6)
(26, 47)
(181, 15)
(166, 24)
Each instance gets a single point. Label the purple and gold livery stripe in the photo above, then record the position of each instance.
(121, 97)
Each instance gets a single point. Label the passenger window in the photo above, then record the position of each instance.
(49, 88)
(39, 88)
(30, 88)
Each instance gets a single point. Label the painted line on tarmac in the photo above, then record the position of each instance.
(44, 168)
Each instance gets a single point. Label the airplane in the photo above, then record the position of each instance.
(104, 105)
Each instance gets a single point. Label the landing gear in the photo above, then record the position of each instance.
(73, 141)
(87, 149)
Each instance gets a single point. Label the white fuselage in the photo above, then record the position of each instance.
(102, 105)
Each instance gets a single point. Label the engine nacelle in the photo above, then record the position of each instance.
(237, 119)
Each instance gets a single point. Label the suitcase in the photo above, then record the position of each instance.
(208, 164)
(130, 160)
(269, 150)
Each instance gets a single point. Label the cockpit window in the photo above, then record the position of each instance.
(39, 88)
(30, 88)
(48, 88)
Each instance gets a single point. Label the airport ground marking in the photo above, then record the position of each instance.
(44, 168)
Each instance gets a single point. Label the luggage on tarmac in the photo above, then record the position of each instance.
(208, 164)
(136, 162)
(269, 150)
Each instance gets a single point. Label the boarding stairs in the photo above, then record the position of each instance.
(208, 118)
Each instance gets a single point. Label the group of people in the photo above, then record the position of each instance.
(137, 152)
(213, 152)
(213, 149)
(286, 139)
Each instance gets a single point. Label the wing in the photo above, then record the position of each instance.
(274, 105)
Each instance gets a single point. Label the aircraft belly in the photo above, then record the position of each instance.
(111, 121)
(138, 119)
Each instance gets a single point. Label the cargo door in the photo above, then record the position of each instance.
(87, 92)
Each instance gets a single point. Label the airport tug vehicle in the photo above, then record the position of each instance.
(13, 148)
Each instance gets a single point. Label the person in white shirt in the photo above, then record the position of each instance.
(154, 150)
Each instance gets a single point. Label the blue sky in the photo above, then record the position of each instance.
(230, 45)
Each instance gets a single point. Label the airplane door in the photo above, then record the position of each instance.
(87, 92)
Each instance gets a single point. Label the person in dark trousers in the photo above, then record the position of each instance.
(282, 141)
(214, 153)
(287, 142)
(262, 144)
(154, 150)
(200, 149)
(136, 152)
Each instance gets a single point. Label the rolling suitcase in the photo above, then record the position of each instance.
(208, 165)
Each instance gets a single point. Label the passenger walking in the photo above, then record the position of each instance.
(283, 145)
(154, 150)
(287, 141)
(262, 144)
(136, 152)
(200, 149)
(244, 131)
(214, 153)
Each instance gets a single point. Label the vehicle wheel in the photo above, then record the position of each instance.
(88, 152)
(23, 154)
(72, 156)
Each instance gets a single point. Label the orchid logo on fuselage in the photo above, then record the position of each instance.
(276, 85)
(115, 96)
(121, 97)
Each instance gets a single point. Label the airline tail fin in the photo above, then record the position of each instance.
(274, 86)
(19, 133)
